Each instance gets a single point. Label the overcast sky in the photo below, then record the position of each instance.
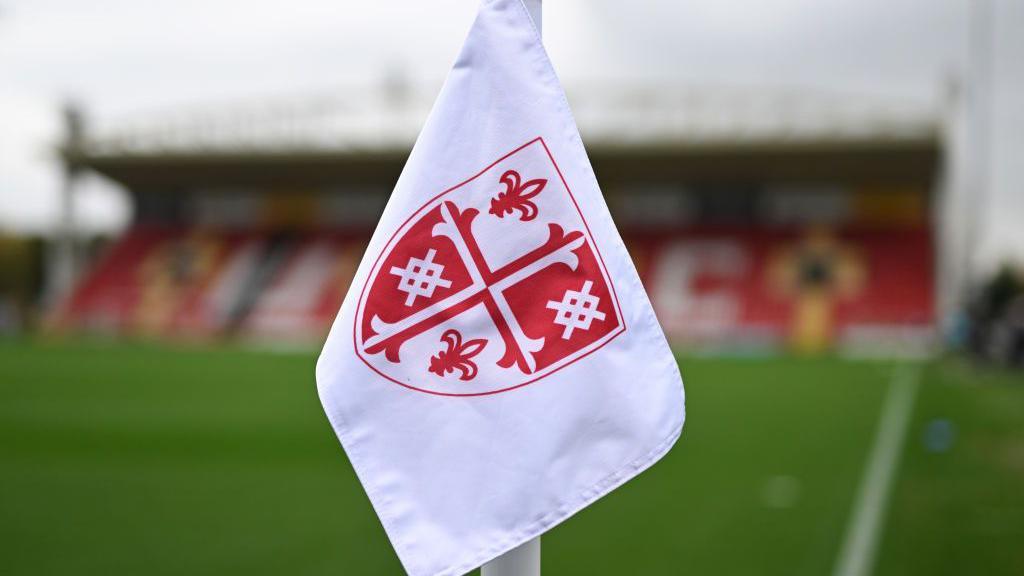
(121, 57)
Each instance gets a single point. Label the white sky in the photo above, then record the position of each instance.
(128, 56)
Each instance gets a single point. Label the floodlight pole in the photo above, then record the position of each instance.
(525, 559)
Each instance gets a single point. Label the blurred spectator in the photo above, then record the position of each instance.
(997, 319)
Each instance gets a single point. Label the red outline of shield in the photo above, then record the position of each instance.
(429, 203)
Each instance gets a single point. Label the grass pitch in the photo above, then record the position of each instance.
(130, 459)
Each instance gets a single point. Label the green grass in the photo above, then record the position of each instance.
(962, 511)
(132, 459)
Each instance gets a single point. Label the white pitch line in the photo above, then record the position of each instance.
(864, 530)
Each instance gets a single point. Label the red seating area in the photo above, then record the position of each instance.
(728, 285)
(709, 285)
(177, 281)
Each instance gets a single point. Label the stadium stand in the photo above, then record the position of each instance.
(810, 230)
(178, 281)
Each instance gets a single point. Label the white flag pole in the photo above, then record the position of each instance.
(534, 8)
(525, 559)
(521, 561)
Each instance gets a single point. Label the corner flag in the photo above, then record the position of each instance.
(496, 365)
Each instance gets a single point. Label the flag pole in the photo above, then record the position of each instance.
(523, 560)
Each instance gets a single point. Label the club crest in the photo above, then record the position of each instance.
(493, 284)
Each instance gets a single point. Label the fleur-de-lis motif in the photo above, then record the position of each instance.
(456, 355)
(517, 196)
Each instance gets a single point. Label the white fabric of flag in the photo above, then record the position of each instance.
(496, 365)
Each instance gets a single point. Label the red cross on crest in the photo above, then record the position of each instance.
(491, 285)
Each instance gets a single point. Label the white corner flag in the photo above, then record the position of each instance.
(496, 365)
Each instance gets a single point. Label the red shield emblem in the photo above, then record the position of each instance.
(491, 285)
